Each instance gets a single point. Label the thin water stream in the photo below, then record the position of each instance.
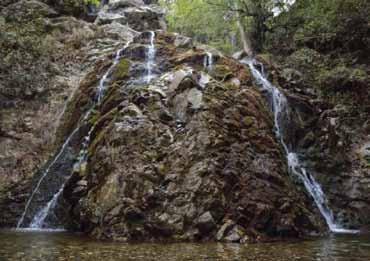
(150, 58)
(281, 111)
(38, 220)
(44, 174)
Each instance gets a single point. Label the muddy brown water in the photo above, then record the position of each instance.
(67, 246)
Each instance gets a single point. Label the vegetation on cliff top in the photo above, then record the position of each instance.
(271, 24)
(326, 42)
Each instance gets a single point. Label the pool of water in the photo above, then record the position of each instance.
(67, 246)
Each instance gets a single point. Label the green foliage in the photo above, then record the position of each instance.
(204, 22)
(342, 78)
(323, 25)
(215, 21)
(328, 41)
(93, 2)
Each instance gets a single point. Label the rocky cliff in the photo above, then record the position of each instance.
(332, 125)
(188, 153)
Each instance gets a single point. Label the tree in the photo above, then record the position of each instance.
(201, 21)
(253, 19)
(210, 19)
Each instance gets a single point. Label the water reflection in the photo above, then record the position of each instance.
(65, 246)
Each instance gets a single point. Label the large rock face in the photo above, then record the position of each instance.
(183, 158)
(190, 155)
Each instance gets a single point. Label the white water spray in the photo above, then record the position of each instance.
(150, 58)
(280, 110)
(38, 221)
(204, 80)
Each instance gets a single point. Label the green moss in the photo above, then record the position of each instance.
(231, 86)
(102, 126)
(151, 155)
(248, 121)
(98, 138)
(94, 118)
(221, 72)
(359, 75)
(83, 169)
(266, 57)
(111, 99)
(95, 142)
(163, 169)
(122, 69)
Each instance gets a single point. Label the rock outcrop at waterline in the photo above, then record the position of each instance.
(177, 160)
(189, 156)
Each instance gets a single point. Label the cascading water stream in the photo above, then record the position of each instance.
(280, 109)
(208, 61)
(102, 83)
(56, 158)
(38, 221)
(150, 58)
(208, 66)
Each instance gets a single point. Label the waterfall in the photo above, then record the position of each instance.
(38, 220)
(102, 83)
(56, 158)
(280, 109)
(150, 58)
(208, 61)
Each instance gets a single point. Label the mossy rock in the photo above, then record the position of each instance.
(83, 169)
(248, 121)
(103, 124)
(94, 118)
(112, 98)
(342, 78)
(221, 72)
(122, 69)
(26, 11)
(308, 140)
(101, 132)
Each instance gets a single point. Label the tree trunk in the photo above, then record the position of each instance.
(247, 44)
